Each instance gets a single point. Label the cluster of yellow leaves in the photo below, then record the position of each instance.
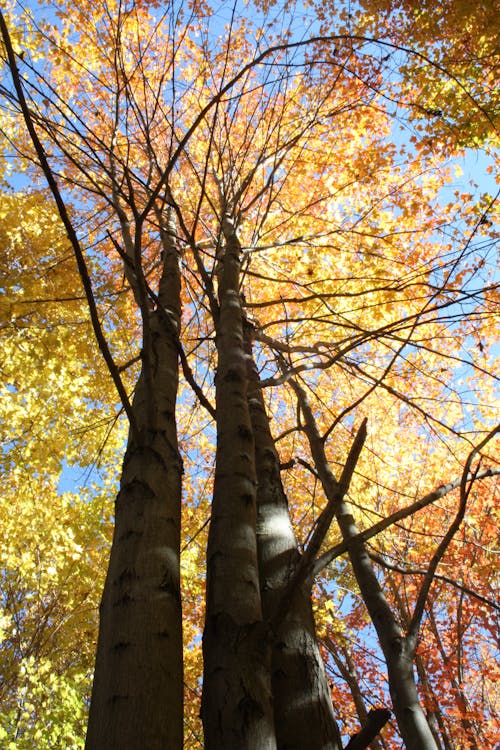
(55, 697)
(52, 565)
(46, 335)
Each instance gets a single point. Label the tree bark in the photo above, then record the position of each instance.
(434, 717)
(376, 719)
(303, 712)
(410, 716)
(137, 696)
(236, 700)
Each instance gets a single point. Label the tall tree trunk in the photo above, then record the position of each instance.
(236, 700)
(137, 696)
(398, 653)
(303, 712)
(434, 717)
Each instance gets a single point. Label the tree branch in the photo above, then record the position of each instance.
(466, 485)
(415, 572)
(377, 718)
(277, 49)
(399, 515)
(70, 230)
(335, 495)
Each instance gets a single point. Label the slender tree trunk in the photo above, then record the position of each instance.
(434, 717)
(409, 714)
(236, 700)
(137, 696)
(398, 654)
(303, 712)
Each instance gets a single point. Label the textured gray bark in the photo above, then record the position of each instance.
(434, 717)
(236, 700)
(137, 696)
(303, 712)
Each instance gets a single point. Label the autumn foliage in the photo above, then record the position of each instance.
(249, 273)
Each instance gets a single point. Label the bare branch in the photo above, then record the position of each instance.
(411, 571)
(466, 485)
(334, 490)
(326, 517)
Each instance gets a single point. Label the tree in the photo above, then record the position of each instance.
(223, 225)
